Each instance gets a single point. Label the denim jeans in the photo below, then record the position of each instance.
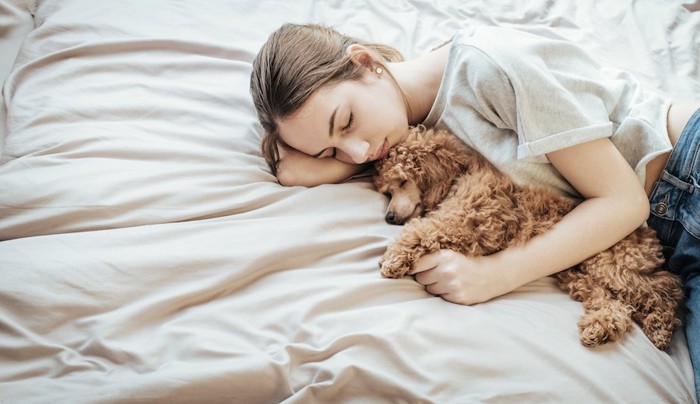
(675, 215)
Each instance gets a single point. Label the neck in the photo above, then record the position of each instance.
(420, 79)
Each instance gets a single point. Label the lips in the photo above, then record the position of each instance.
(384, 150)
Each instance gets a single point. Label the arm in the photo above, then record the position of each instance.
(296, 168)
(615, 205)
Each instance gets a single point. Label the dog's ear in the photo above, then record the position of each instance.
(395, 166)
(437, 167)
(453, 150)
(440, 156)
(468, 159)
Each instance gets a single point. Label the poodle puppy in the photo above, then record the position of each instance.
(451, 197)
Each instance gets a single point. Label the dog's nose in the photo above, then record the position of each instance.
(390, 218)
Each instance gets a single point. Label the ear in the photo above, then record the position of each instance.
(361, 56)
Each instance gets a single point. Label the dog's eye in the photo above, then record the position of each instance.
(387, 194)
(402, 183)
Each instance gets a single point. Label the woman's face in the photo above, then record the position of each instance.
(353, 121)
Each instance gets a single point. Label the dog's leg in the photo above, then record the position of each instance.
(453, 226)
(629, 270)
(658, 294)
(658, 307)
(574, 282)
(657, 301)
(605, 318)
(416, 240)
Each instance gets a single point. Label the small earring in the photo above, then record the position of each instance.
(379, 70)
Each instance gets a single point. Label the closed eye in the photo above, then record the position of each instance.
(351, 120)
(334, 151)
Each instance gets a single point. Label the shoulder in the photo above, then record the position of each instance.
(474, 57)
(515, 50)
(486, 53)
(497, 41)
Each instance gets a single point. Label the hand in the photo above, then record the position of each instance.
(459, 279)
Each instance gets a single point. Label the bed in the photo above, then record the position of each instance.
(148, 255)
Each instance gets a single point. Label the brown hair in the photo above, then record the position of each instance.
(295, 61)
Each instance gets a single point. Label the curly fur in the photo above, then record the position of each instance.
(453, 198)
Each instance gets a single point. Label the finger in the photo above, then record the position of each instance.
(427, 277)
(458, 298)
(424, 263)
(437, 289)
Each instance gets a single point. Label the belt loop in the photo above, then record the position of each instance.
(682, 185)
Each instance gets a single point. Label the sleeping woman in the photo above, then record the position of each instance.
(538, 108)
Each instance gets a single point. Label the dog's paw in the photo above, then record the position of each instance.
(394, 265)
(605, 324)
(659, 328)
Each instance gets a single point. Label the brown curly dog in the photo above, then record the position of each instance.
(460, 201)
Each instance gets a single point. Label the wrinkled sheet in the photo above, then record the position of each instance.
(148, 255)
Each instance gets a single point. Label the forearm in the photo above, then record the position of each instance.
(299, 169)
(593, 226)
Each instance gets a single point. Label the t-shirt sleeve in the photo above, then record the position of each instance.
(552, 94)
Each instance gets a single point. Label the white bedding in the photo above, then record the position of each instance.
(148, 255)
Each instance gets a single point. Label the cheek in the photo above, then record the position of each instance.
(383, 118)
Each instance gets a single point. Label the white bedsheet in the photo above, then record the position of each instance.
(148, 254)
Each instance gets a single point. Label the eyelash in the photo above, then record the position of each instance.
(350, 122)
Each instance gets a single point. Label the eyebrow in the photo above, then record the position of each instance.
(331, 125)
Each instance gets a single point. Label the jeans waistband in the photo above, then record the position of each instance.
(684, 157)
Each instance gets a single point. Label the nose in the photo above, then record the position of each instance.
(391, 218)
(356, 149)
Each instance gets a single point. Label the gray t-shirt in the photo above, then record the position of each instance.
(515, 96)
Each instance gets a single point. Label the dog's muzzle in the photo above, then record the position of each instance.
(391, 217)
